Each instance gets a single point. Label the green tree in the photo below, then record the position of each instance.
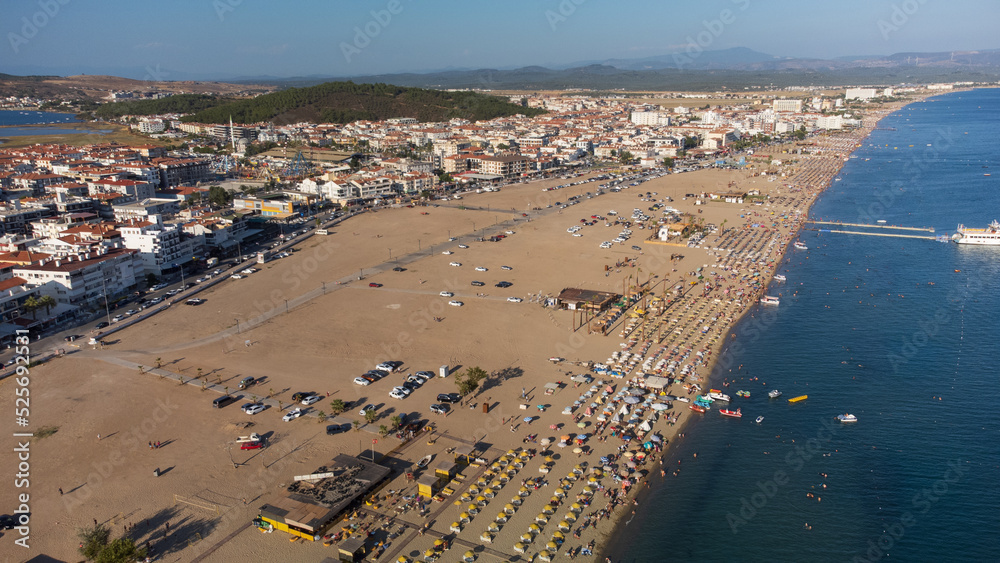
(383, 430)
(469, 381)
(337, 406)
(219, 196)
(93, 540)
(370, 416)
(397, 421)
(31, 305)
(151, 279)
(121, 550)
(48, 302)
(800, 133)
(625, 157)
(668, 163)
(357, 425)
(322, 416)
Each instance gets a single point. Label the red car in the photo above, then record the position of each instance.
(251, 445)
(373, 284)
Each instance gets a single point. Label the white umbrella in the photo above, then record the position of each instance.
(660, 406)
(632, 400)
(545, 441)
(561, 444)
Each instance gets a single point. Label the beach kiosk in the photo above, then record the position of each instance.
(445, 470)
(443, 371)
(351, 550)
(464, 454)
(428, 485)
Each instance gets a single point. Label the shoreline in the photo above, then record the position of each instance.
(614, 542)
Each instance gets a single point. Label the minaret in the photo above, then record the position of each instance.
(232, 133)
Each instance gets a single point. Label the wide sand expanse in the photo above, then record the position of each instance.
(308, 323)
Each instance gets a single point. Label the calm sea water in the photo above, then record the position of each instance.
(897, 331)
(15, 117)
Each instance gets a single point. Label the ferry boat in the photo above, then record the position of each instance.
(799, 398)
(769, 300)
(988, 236)
(847, 418)
(798, 245)
(779, 277)
(774, 393)
(735, 414)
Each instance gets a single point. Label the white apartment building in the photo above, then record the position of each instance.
(652, 118)
(830, 122)
(859, 93)
(794, 106)
(161, 247)
(152, 126)
(84, 279)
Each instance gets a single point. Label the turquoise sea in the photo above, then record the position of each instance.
(896, 331)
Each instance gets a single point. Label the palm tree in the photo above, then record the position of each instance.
(337, 406)
(383, 430)
(322, 416)
(199, 373)
(370, 416)
(357, 425)
(397, 421)
(31, 305)
(158, 363)
(48, 302)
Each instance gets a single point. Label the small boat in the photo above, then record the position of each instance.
(880, 221)
(697, 408)
(774, 393)
(799, 398)
(718, 396)
(425, 461)
(769, 300)
(704, 399)
(779, 277)
(760, 419)
(684, 399)
(735, 414)
(847, 418)
(798, 245)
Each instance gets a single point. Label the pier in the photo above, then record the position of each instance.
(898, 235)
(866, 225)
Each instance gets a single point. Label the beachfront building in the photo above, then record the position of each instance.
(83, 280)
(859, 94)
(794, 106)
(585, 299)
(313, 503)
(161, 247)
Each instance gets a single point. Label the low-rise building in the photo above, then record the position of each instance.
(84, 280)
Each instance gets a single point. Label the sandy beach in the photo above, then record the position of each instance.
(312, 323)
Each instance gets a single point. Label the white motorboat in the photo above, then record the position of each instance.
(847, 418)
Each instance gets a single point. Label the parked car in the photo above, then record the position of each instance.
(425, 375)
(397, 393)
(311, 400)
(478, 283)
(449, 397)
(504, 284)
(373, 284)
(292, 415)
(296, 397)
(456, 264)
(365, 410)
(514, 300)
(253, 408)
(102, 324)
(456, 303)
(439, 409)
(247, 382)
(362, 380)
(481, 269)
(446, 294)
(506, 268)
(337, 429)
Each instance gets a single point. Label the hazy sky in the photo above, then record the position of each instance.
(180, 39)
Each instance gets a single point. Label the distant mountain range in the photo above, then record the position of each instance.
(729, 68)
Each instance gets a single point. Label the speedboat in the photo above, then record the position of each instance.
(779, 277)
(760, 419)
(847, 418)
(799, 246)
(774, 393)
(697, 408)
(684, 399)
(718, 396)
(735, 414)
(424, 461)
(704, 399)
(769, 300)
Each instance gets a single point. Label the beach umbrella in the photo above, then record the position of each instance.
(552, 545)
(542, 519)
(402, 559)
(632, 399)
(553, 427)
(509, 508)
(581, 424)
(544, 555)
(578, 450)
(558, 537)
(660, 407)
(501, 517)
(486, 537)
(529, 418)
(655, 438)
(564, 526)
(456, 527)
(575, 507)
(630, 464)
(519, 547)
(469, 556)
(547, 509)
(464, 517)
(438, 543)
(533, 528)
(429, 553)
(561, 444)
(564, 437)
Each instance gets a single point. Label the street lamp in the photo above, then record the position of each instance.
(237, 326)
(390, 254)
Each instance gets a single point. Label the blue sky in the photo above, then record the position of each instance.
(204, 39)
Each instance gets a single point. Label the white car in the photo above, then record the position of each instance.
(577, 235)
(447, 252)
(253, 408)
(456, 303)
(292, 415)
(506, 268)
(247, 271)
(311, 400)
(396, 394)
(366, 409)
(514, 299)
(456, 264)
(424, 375)
(463, 246)
(361, 381)
(236, 276)
(446, 294)
(386, 367)
(481, 269)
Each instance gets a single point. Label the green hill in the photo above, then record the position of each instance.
(343, 102)
(181, 103)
